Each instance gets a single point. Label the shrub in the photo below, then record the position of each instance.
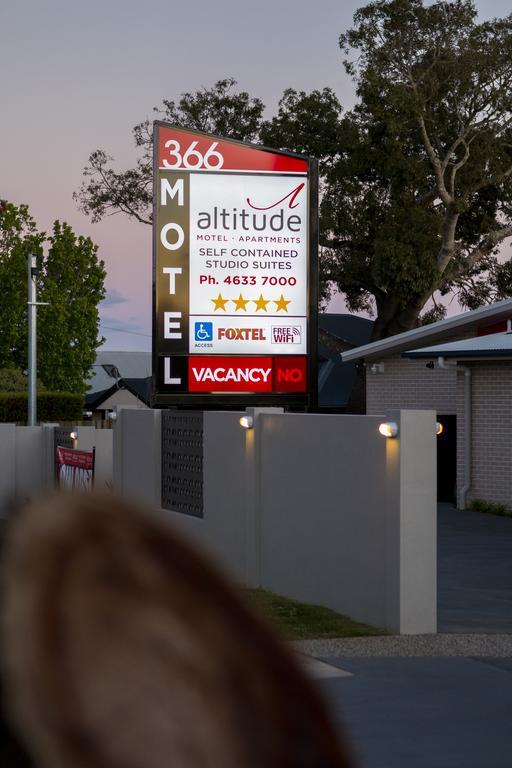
(12, 380)
(490, 508)
(51, 406)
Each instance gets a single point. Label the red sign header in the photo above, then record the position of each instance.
(74, 458)
(183, 150)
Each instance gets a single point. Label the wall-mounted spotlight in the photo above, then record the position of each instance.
(388, 429)
(439, 428)
(246, 422)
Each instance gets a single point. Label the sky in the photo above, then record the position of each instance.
(77, 76)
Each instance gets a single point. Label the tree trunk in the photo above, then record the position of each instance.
(392, 318)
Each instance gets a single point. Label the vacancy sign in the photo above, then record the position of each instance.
(234, 271)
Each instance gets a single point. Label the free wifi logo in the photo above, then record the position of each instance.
(286, 334)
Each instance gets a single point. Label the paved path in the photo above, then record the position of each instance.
(474, 572)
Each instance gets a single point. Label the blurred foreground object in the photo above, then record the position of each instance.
(122, 647)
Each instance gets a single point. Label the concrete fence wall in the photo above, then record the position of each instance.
(27, 460)
(317, 507)
(102, 440)
(322, 512)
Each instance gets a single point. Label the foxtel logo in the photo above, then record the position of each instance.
(228, 374)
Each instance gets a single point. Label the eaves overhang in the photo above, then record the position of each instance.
(490, 314)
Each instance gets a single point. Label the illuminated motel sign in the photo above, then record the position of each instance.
(235, 272)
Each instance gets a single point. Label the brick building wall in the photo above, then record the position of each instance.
(491, 388)
(410, 384)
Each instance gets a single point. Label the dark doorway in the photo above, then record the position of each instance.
(447, 459)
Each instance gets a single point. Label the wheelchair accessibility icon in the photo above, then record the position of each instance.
(203, 332)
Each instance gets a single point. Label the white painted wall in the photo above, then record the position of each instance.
(26, 463)
(317, 507)
(102, 440)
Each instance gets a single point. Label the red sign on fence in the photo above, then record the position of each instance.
(75, 469)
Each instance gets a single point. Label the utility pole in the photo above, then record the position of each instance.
(32, 341)
(32, 305)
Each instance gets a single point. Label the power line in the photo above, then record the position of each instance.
(122, 330)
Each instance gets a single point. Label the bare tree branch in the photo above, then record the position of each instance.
(436, 163)
(487, 245)
(448, 239)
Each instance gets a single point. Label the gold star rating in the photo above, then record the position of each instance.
(220, 303)
(261, 303)
(240, 303)
(282, 304)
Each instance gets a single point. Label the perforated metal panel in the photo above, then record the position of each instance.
(62, 437)
(182, 462)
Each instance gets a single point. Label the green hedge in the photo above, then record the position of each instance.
(51, 406)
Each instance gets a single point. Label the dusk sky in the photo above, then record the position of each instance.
(77, 76)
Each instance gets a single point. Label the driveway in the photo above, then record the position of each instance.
(474, 572)
(435, 701)
(424, 712)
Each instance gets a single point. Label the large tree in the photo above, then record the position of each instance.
(415, 180)
(220, 110)
(18, 237)
(435, 117)
(416, 194)
(73, 285)
(70, 279)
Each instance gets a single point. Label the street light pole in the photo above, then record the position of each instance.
(32, 341)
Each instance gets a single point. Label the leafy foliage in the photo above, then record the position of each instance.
(51, 406)
(18, 238)
(12, 380)
(70, 279)
(217, 110)
(436, 106)
(490, 508)
(73, 285)
(415, 180)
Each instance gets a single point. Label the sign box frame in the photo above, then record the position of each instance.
(307, 400)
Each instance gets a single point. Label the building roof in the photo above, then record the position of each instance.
(353, 329)
(477, 318)
(335, 378)
(139, 388)
(132, 370)
(495, 345)
(111, 366)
